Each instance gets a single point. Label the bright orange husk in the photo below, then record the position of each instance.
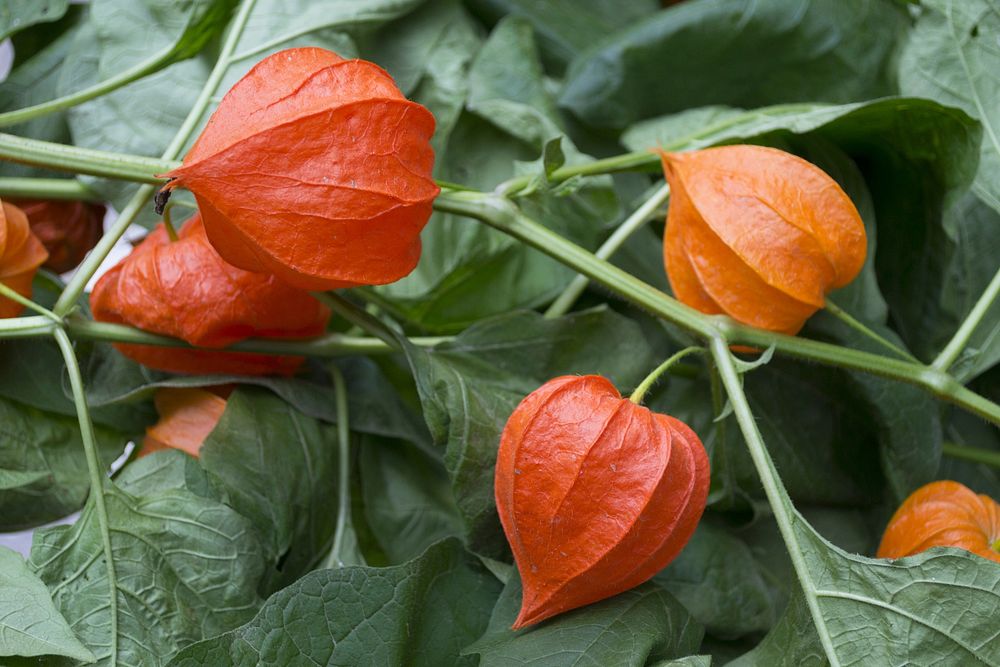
(595, 493)
(21, 253)
(187, 416)
(184, 289)
(758, 234)
(316, 169)
(67, 229)
(943, 514)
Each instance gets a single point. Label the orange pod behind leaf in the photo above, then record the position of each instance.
(21, 253)
(595, 493)
(67, 229)
(943, 514)
(187, 416)
(185, 290)
(758, 234)
(316, 169)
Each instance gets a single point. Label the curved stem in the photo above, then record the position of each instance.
(973, 454)
(640, 160)
(961, 338)
(97, 478)
(860, 327)
(358, 317)
(343, 469)
(111, 84)
(46, 188)
(28, 303)
(634, 222)
(650, 380)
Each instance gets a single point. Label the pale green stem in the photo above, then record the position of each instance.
(82, 160)
(97, 478)
(633, 223)
(973, 454)
(650, 380)
(28, 303)
(358, 317)
(335, 558)
(961, 338)
(46, 188)
(168, 224)
(777, 497)
(26, 327)
(860, 327)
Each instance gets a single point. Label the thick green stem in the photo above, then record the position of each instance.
(777, 497)
(633, 223)
(961, 338)
(82, 160)
(335, 559)
(650, 380)
(973, 454)
(858, 326)
(32, 326)
(97, 479)
(46, 188)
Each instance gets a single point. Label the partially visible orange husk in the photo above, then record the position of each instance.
(187, 416)
(943, 514)
(185, 290)
(315, 169)
(758, 234)
(67, 229)
(21, 253)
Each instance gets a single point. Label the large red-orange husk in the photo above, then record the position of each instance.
(943, 514)
(595, 493)
(187, 416)
(184, 289)
(21, 253)
(758, 234)
(316, 169)
(67, 229)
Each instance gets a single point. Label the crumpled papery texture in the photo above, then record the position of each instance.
(187, 416)
(758, 234)
(21, 253)
(943, 514)
(595, 493)
(67, 229)
(316, 169)
(184, 289)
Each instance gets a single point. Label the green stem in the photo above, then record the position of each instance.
(632, 224)
(961, 338)
(650, 380)
(111, 84)
(860, 327)
(97, 478)
(640, 160)
(973, 454)
(343, 470)
(82, 160)
(358, 317)
(7, 292)
(168, 224)
(26, 327)
(46, 188)
(777, 497)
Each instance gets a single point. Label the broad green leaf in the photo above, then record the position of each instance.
(791, 643)
(951, 56)
(17, 15)
(470, 386)
(736, 52)
(635, 628)
(187, 567)
(30, 625)
(42, 456)
(420, 613)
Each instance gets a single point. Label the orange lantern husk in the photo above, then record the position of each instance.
(187, 416)
(21, 253)
(67, 229)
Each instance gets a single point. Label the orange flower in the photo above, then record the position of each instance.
(758, 234)
(184, 289)
(21, 253)
(943, 514)
(316, 169)
(187, 416)
(67, 229)
(595, 493)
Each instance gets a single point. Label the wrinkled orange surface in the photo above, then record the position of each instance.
(943, 514)
(67, 229)
(21, 253)
(596, 494)
(184, 289)
(758, 234)
(187, 416)
(316, 169)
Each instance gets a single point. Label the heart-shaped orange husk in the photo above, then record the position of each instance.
(596, 494)
(758, 234)
(943, 514)
(21, 253)
(316, 169)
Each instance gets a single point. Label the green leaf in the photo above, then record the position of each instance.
(793, 642)
(187, 567)
(420, 613)
(42, 456)
(470, 386)
(17, 15)
(748, 53)
(31, 625)
(637, 627)
(951, 57)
